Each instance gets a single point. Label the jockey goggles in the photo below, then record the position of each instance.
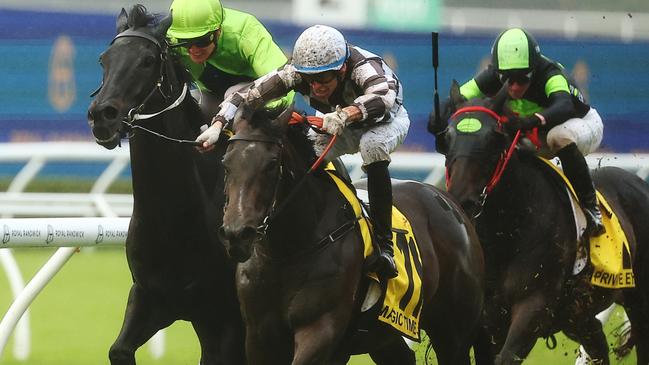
(321, 78)
(519, 77)
(200, 42)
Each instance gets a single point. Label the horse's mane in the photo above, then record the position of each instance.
(296, 134)
(139, 17)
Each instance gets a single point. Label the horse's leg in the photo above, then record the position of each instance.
(141, 321)
(221, 340)
(589, 333)
(483, 348)
(316, 342)
(395, 352)
(451, 344)
(527, 316)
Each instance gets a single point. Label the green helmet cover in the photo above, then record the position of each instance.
(515, 49)
(194, 18)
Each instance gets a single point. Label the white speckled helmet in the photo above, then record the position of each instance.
(319, 48)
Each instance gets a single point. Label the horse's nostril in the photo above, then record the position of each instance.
(109, 113)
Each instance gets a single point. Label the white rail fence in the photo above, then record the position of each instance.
(86, 230)
(427, 167)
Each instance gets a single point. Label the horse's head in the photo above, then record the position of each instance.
(254, 167)
(134, 66)
(476, 142)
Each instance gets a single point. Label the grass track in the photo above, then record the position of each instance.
(78, 315)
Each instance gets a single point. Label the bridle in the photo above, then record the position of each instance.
(135, 114)
(503, 160)
(274, 210)
(262, 230)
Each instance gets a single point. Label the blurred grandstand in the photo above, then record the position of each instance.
(627, 19)
(50, 49)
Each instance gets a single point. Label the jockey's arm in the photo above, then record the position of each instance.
(560, 107)
(354, 114)
(269, 87)
(485, 83)
(265, 57)
(263, 90)
(379, 93)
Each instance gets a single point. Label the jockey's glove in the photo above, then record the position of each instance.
(516, 123)
(335, 122)
(436, 126)
(210, 135)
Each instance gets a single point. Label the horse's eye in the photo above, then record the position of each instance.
(147, 62)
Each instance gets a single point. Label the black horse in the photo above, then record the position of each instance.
(300, 273)
(528, 234)
(179, 268)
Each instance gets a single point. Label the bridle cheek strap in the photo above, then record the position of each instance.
(502, 164)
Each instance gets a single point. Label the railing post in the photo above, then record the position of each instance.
(27, 296)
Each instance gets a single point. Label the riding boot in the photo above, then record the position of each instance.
(379, 189)
(576, 170)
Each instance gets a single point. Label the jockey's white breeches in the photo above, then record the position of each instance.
(375, 143)
(586, 133)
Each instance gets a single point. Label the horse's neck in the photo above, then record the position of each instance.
(524, 194)
(161, 170)
(297, 227)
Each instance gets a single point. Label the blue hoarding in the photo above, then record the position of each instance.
(49, 67)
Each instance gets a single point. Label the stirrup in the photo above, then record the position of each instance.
(594, 225)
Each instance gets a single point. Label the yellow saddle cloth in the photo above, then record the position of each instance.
(610, 254)
(403, 300)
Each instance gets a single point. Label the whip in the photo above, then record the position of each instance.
(435, 44)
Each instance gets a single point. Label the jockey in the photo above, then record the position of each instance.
(544, 97)
(361, 99)
(223, 49)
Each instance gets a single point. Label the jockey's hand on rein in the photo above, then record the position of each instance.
(211, 135)
(436, 126)
(516, 123)
(335, 122)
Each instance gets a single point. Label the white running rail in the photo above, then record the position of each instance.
(426, 167)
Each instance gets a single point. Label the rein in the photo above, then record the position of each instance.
(134, 114)
(504, 159)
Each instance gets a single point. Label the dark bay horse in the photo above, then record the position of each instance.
(300, 256)
(179, 268)
(529, 238)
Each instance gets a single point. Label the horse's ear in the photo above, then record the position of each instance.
(163, 25)
(500, 99)
(281, 122)
(456, 97)
(122, 21)
(285, 116)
